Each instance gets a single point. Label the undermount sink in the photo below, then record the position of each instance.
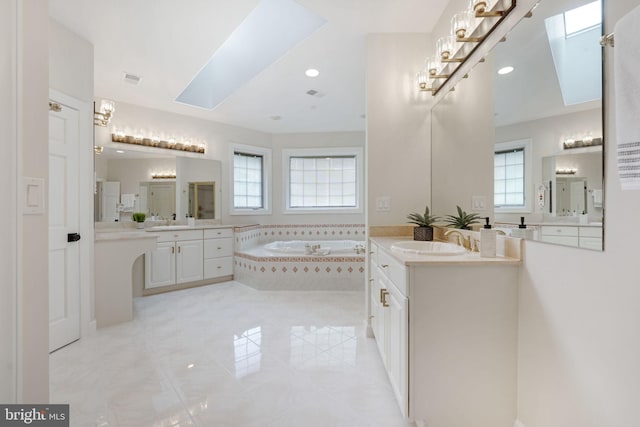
(168, 227)
(428, 248)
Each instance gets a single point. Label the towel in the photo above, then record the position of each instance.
(627, 92)
(128, 202)
(597, 198)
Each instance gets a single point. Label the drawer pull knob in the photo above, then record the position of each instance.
(383, 297)
(385, 265)
(219, 248)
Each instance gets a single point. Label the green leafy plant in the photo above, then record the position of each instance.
(422, 220)
(138, 216)
(463, 220)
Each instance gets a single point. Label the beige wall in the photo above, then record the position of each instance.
(219, 138)
(398, 127)
(33, 80)
(546, 138)
(70, 74)
(8, 215)
(131, 172)
(579, 312)
(463, 152)
(309, 140)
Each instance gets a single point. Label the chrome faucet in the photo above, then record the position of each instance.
(462, 240)
(360, 249)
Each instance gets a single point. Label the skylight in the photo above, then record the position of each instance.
(582, 18)
(269, 32)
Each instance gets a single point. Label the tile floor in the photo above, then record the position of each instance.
(228, 355)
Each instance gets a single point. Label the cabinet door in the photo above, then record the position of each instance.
(189, 261)
(379, 324)
(218, 267)
(397, 362)
(159, 266)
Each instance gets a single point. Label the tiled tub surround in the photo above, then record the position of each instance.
(266, 270)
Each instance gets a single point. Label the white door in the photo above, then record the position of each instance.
(110, 200)
(160, 266)
(64, 253)
(189, 261)
(162, 199)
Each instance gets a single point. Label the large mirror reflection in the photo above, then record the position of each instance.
(545, 84)
(164, 188)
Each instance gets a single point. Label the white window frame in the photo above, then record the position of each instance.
(324, 152)
(266, 179)
(526, 145)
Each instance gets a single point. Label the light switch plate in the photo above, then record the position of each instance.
(478, 203)
(383, 204)
(33, 196)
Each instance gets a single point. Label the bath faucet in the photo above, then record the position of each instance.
(462, 240)
(360, 249)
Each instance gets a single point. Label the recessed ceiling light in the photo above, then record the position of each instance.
(312, 72)
(505, 70)
(119, 151)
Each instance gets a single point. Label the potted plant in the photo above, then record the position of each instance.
(139, 218)
(424, 222)
(463, 220)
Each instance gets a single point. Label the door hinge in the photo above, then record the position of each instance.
(54, 106)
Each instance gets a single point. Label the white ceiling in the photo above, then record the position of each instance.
(532, 91)
(167, 42)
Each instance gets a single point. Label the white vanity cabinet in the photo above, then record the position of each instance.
(447, 334)
(389, 321)
(218, 253)
(589, 237)
(178, 259)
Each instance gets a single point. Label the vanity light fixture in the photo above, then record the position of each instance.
(587, 141)
(469, 29)
(98, 149)
(571, 171)
(163, 175)
(157, 142)
(102, 117)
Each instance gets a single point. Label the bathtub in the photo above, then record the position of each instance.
(283, 265)
(316, 247)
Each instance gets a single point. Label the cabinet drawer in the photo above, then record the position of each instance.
(215, 233)
(561, 230)
(218, 267)
(176, 236)
(591, 232)
(215, 248)
(591, 243)
(393, 270)
(561, 240)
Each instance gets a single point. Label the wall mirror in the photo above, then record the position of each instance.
(157, 185)
(543, 86)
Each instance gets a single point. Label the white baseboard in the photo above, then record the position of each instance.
(518, 423)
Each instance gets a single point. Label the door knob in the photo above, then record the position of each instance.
(73, 237)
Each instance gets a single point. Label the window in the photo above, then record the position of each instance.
(582, 18)
(251, 166)
(323, 180)
(512, 176)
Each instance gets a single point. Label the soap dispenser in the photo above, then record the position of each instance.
(522, 231)
(487, 241)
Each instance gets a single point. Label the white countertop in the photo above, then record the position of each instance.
(469, 258)
(123, 235)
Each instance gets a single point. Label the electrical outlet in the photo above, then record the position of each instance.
(383, 204)
(478, 203)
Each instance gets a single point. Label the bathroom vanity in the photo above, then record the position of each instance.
(446, 330)
(189, 256)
